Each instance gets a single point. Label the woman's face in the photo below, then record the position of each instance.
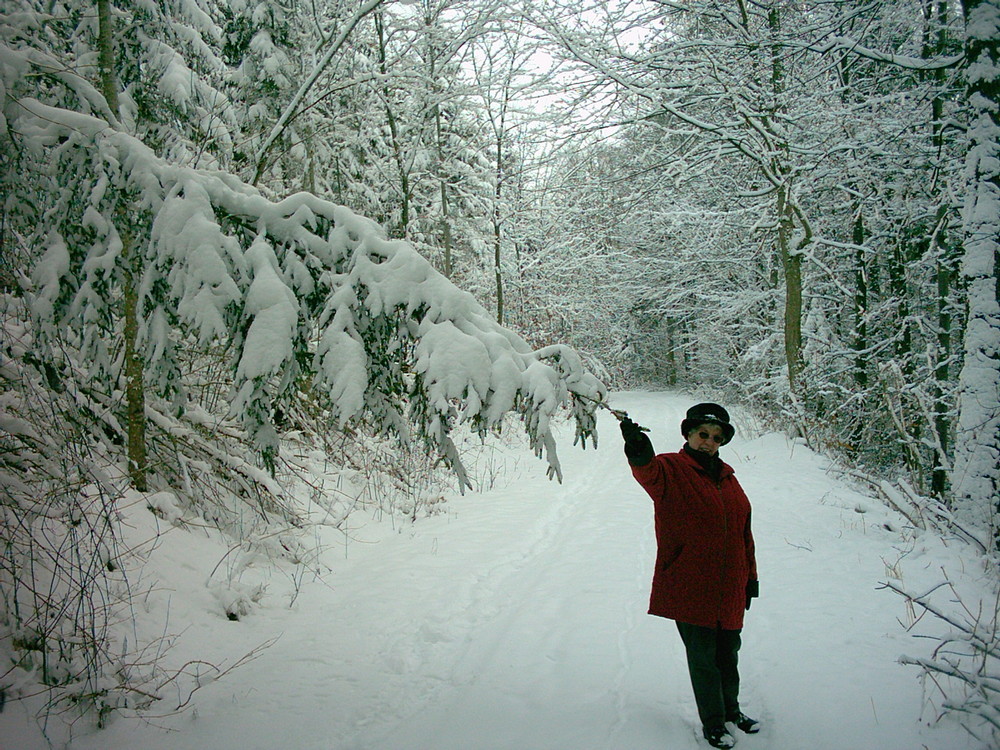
(706, 438)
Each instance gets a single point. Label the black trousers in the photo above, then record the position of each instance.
(712, 656)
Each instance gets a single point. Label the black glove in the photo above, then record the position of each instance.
(753, 591)
(638, 448)
(631, 431)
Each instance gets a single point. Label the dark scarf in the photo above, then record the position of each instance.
(711, 464)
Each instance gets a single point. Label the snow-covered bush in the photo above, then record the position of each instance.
(63, 563)
(962, 673)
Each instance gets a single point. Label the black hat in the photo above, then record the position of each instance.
(700, 414)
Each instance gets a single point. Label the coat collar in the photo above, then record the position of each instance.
(726, 470)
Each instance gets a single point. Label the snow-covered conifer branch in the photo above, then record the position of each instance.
(299, 291)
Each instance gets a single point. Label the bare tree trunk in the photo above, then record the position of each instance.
(860, 302)
(397, 146)
(106, 54)
(860, 343)
(671, 347)
(896, 267)
(135, 395)
(791, 258)
(791, 262)
(942, 370)
(501, 134)
(936, 12)
(446, 240)
(498, 230)
(439, 141)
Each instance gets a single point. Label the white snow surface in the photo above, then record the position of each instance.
(515, 619)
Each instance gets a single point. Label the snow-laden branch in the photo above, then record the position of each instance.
(846, 44)
(15, 65)
(830, 44)
(391, 306)
(296, 290)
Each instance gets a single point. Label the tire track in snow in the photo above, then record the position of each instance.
(529, 626)
(443, 648)
(633, 609)
(599, 674)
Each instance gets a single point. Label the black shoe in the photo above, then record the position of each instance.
(718, 737)
(744, 723)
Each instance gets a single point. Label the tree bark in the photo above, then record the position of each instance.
(936, 14)
(791, 258)
(791, 262)
(397, 146)
(106, 55)
(860, 302)
(498, 230)
(976, 473)
(135, 394)
(439, 142)
(501, 133)
(942, 370)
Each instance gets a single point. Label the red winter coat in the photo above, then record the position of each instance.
(704, 548)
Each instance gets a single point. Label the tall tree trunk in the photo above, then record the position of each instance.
(899, 258)
(106, 54)
(791, 258)
(860, 302)
(935, 42)
(498, 229)
(446, 240)
(135, 395)
(976, 474)
(671, 346)
(439, 139)
(397, 147)
(942, 370)
(791, 262)
(498, 193)
(860, 343)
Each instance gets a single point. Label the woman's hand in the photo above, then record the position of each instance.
(638, 448)
(753, 591)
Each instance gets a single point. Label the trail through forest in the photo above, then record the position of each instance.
(516, 620)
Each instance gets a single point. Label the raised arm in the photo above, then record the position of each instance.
(647, 471)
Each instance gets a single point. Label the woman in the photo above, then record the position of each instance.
(706, 573)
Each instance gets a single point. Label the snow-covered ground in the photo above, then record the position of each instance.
(516, 620)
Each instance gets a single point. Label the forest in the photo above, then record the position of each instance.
(230, 227)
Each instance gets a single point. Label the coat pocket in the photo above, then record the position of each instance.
(672, 557)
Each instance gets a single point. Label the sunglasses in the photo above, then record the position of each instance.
(715, 438)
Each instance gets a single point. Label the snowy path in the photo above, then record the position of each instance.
(516, 621)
